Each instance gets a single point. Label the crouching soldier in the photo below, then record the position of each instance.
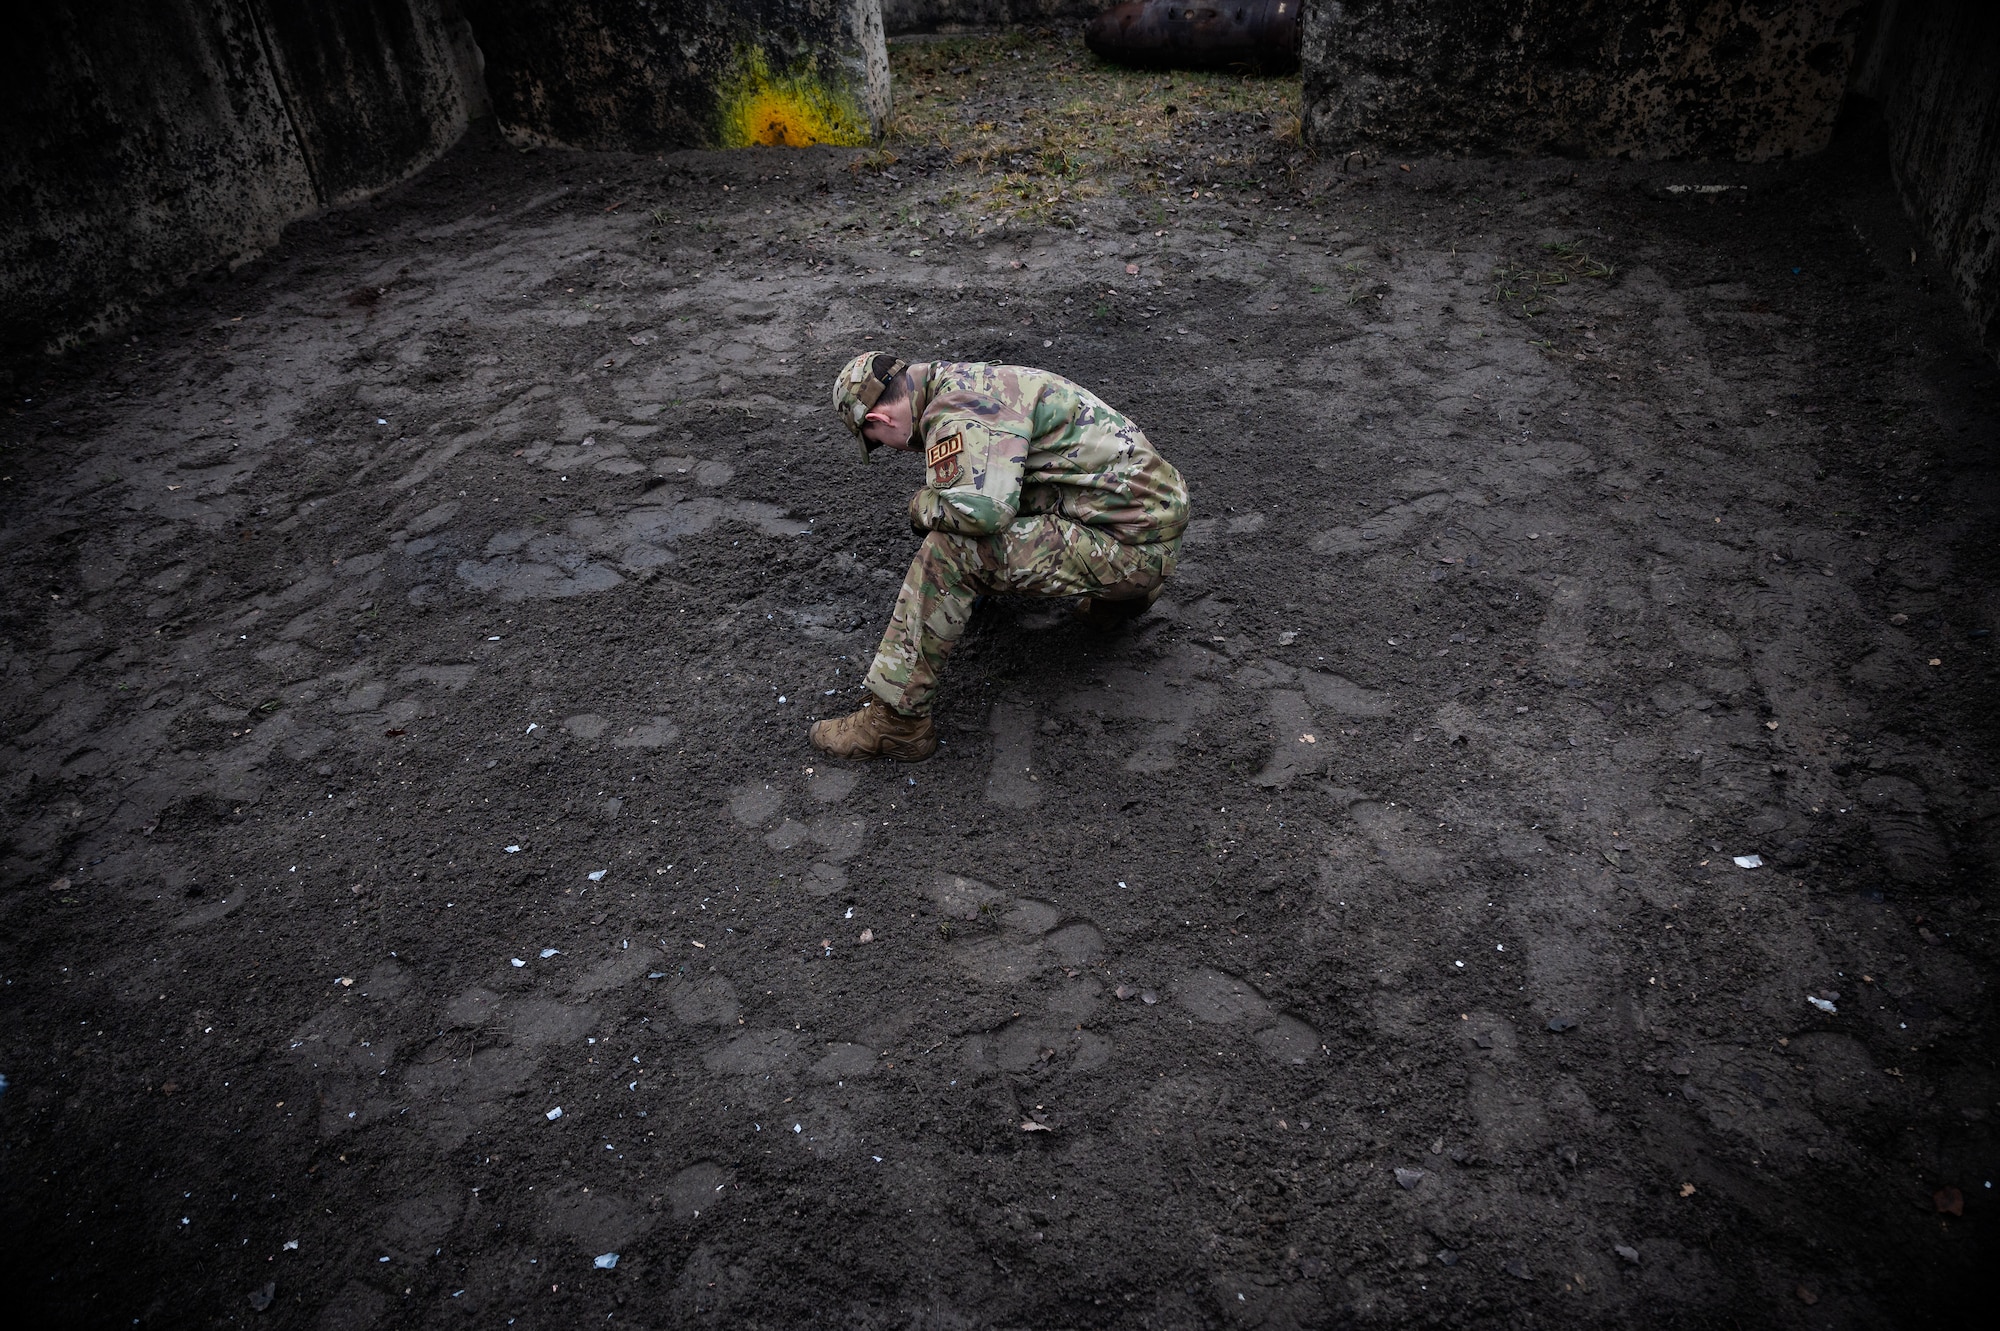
(1032, 486)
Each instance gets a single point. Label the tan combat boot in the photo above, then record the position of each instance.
(876, 731)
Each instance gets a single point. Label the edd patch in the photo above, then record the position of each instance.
(942, 458)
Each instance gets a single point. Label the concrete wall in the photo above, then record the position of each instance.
(901, 16)
(145, 141)
(1934, 68)
(646, 74)
(1739, 79)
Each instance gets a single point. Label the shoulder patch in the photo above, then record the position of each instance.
(942, 458)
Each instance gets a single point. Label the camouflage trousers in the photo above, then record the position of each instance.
(1036, 556)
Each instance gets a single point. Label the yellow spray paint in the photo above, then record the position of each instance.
(786, 111)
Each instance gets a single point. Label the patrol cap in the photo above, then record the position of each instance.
(859, 386)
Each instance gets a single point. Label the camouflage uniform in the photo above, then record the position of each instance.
(1035, 487)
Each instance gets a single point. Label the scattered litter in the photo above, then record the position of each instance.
(1446, 1257)
(260, 1299)
(494, 638)
(597, 875)
(510, 850)
(604, 1261)
(345, 982)
(867, 935)
(291, 1245)
(1029, 1125)
(798, 1127)
(1703, 189)
(1561, 1024)
(533, 726)
(1687, 1189)
(516, 961)
(1148, 997)
(1822, 1004)
(1631, 1255)
(3, 1085)
(548, 952)
(1749, 861)
(1407, 1179)
(656, 975)
(1288, 637)
(553, 1114)
(1516, 1268)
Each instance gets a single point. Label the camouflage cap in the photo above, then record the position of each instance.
(858, 388)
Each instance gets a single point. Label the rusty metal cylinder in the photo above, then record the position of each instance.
(1259, 35)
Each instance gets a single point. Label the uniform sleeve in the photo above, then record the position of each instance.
(972, 473)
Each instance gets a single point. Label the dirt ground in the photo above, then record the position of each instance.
(412, 638)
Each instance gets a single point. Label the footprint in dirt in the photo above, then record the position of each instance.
(1219, 999)
(488, 1053)
(1295, 705)
(1165, 698)
(1012, 945)
(830, 837)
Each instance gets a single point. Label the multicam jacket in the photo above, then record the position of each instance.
(1002, 441)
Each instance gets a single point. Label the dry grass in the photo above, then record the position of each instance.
(1040, 121)
(1529, 287)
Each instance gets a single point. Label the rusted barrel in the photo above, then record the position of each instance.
(1260, 35)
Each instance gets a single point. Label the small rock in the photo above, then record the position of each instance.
(1446, 1257)
(1807, 1296)
(1408, 1178)
(1125, 991)
(1516, 1268)
(1898, 621)
(59, 885)
(260, 1299)
(1148, 997)
(605, 1261)
(867, 935)
(1631, 1255)
(1561, 1024)
(1680, 1067)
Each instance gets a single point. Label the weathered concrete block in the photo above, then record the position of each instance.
(1738, 79)
(1934, 67)
(647, 74)
(143, 143)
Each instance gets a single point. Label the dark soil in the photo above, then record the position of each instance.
(410, 644)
